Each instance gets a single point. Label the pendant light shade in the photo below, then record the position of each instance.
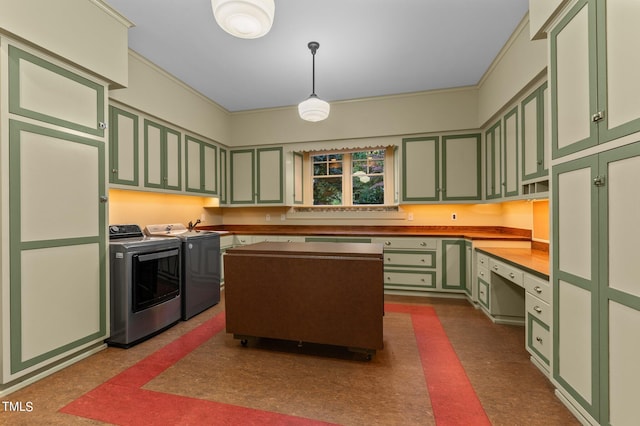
(244, 18)
(313, 108)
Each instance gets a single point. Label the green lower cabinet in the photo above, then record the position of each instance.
(596, 297)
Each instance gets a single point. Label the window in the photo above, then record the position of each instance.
(350, 178)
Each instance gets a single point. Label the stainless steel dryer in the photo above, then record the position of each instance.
(200, 265)
(145, 284)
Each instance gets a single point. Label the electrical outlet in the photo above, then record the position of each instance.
(410, 216)
(283, 217)
(268, 218)
(454, 216)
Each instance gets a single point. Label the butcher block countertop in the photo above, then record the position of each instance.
(469, 232)
(534, 261)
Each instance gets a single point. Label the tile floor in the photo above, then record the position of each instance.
(322, 383)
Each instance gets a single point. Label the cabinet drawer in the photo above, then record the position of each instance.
(538, 339)
(410, 279)
(538, 308)
(538, 287)
(408, 243)
(482, 260)
(425, 259)
(483, 273)
(507, 271)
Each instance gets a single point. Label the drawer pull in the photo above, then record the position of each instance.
(422, 260)
(388, 278)
(538, 289)
(388, 259)
(423, 244)
(512, 275)
(482, 261)
(482, 293)
(537, 309)
(387, 243)
(482, 273)
(539, 339)
(495, 267)
(422, 279)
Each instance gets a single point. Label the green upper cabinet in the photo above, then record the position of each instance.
(162, 157)
(595, 63)
(223, 176)
(257, 176)
(510, 157)
(44, 91)
(201, 161)
(123, 147)
(422, 163)
(533, 134)
(420, 169)
(461, 167)
(493, 176)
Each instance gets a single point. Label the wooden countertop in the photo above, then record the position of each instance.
(534, 261)
(469, 232)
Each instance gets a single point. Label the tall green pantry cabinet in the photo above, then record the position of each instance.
(595, 85)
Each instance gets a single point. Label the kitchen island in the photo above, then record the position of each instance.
(326, 293)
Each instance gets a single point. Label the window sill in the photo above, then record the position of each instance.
(346, 212)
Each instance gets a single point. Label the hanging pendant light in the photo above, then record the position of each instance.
(314, 108)
(244, 18)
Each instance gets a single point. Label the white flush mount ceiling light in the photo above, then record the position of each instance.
(314, 108)
(244, 18)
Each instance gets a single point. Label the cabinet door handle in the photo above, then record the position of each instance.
(388, 259)
(423, 244)
(539, 339)
(537, 309)
(387, 243)
(423, 260)
(512, 275)
(597, 116)
(481, 274)
(495, 267)
(538, 289)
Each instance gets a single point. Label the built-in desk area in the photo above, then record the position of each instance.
(513, 288)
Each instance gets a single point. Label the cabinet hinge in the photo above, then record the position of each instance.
(597, 116)
(599, 181)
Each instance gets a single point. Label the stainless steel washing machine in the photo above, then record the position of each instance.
(145, 284)
(200, 265)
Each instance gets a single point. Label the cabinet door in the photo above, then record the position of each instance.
(510, 150)
(493, 145)
(575, 281)
(193, 163)
(619, 203)
(57, 246)
(123, 139)
(223, 176)
(153, 173)
(270, 175)
(453, 265)
(210, 172)
(420, 169)
(618, 68)
(44, 91)
(533, 134)
(242, 166)
(461, 167)
(572, 75)
(172, 160)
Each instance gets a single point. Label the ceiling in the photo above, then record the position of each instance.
(367, 47)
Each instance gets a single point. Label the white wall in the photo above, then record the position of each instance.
(157, 93)
(87, 33)
(517, 65)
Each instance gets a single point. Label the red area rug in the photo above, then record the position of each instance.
(453, 399)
